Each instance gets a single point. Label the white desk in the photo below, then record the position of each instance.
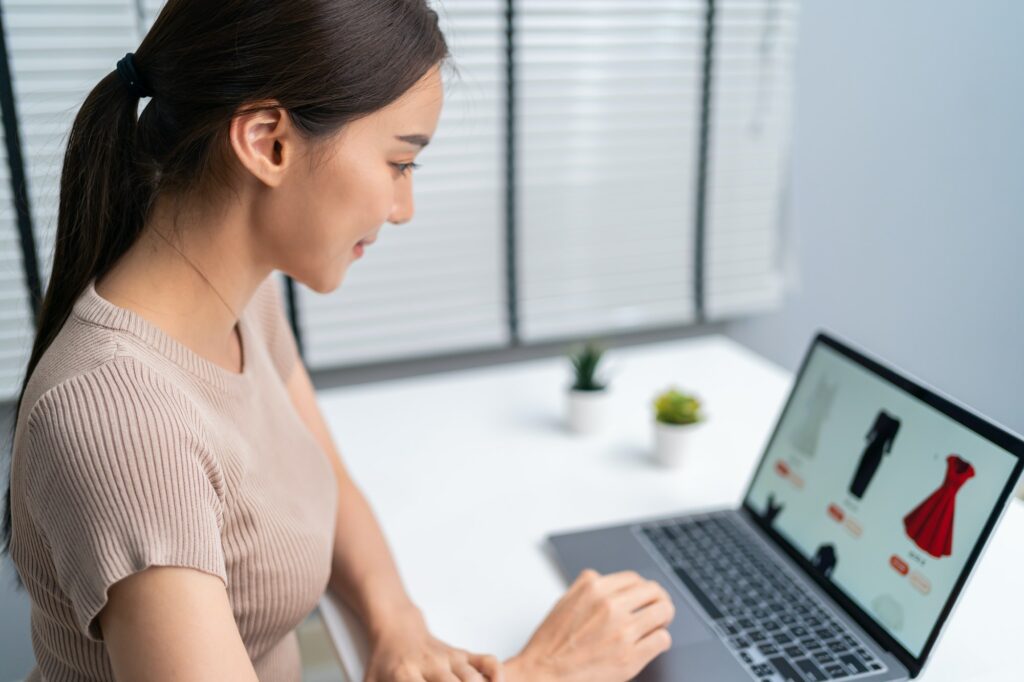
(469, 471)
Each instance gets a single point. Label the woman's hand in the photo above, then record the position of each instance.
(405, 651)
(604, 629)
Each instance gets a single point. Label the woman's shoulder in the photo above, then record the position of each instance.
(115, 399)
(109, 363)
(92, 390)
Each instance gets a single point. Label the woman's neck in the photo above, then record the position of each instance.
(196, 291)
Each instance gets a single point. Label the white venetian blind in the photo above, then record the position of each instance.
(608, 103)
(150, 8)
(748, 160)
(58, 50)
(15, 313)
(436, 284)
(608, 97)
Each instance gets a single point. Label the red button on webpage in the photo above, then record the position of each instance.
(899, 564)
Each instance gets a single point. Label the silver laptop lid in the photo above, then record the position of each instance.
(883, 491)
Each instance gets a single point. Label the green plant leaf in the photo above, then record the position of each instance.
(676, 407)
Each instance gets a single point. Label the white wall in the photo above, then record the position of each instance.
(907, 197)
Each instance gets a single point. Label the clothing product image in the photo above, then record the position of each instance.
(805, 436)
(132, 450)
(772, 509)
(880, 440)
(825, 559)
(930, 524)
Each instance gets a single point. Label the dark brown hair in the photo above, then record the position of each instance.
(326, 62)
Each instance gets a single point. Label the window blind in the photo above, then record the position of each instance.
(605, 173)
(748, 138)
(58, 50)
(15, 311)
(436, 284)
(608, 102)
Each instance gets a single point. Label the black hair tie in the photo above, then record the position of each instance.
(130, 76)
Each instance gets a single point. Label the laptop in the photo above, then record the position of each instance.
(866, 514)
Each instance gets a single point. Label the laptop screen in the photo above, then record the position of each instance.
(882, 493)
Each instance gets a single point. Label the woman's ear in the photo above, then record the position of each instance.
(264, 140)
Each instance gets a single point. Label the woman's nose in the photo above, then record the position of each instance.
(402, 211)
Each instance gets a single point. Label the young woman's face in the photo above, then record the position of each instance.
(363, 179)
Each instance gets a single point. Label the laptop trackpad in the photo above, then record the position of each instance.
(688, 626)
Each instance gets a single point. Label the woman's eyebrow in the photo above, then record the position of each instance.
(421, 140)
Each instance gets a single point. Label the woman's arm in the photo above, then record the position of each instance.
(173, 623)
(363, 572)
(364, 576)
(604, 629)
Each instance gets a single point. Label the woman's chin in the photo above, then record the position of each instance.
(324, 283)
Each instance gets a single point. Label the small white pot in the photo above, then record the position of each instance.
(672, 442)
(587, 410)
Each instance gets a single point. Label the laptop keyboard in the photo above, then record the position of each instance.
(772, 625)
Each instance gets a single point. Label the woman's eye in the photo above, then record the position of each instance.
(403, 167)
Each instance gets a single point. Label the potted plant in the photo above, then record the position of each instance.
(588, 394)
(676, 414)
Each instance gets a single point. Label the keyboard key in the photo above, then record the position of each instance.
(783, 668)
(698, 593)
(810, 670)
(836, 672)
(853, 664)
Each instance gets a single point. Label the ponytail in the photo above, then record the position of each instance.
(100, 214)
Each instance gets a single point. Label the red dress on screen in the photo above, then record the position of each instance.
(930, 525)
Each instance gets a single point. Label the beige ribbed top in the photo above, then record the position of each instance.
(132, 450)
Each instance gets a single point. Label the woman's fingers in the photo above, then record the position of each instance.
(654, 643)
(409, 674)
(604, 585)
(467, 673)
(489, 666)
(652, 617)
(641, 595)
(440, 675)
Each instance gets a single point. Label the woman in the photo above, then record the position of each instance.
(176, 505)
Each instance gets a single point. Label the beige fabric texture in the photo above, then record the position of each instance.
(131, 450)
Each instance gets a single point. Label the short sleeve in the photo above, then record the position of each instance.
(271, 317)
(117, 481)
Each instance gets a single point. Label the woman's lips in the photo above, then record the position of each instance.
(361, 244)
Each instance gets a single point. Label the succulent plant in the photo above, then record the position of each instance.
(676, 407)
(585, 360)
